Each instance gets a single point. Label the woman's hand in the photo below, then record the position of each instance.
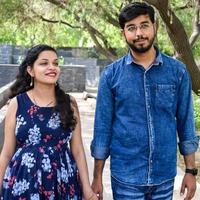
(90, 195)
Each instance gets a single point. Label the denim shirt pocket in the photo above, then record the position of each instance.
(165, 95)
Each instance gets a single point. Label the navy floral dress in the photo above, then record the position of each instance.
(42, 167)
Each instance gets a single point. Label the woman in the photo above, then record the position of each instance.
(42, 155)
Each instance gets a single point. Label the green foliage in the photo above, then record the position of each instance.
(6, 35)
(197, 112)
(186, 16)
(163, 40)
(21, 23)
(61, 60)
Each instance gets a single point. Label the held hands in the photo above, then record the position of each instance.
(90, 195)
(93, 197)
(189, 183)
(97, 187)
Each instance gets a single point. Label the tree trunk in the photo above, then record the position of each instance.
(180, 41)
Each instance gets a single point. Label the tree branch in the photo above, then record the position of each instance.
(54, 21)
(179, 39)
(94, 33)
(108, 17)
(90, 28)
(111, 20)
(100, 48)
(158, 3)
(59, 21)
(60, 3)
(188, 4)
(196, 24)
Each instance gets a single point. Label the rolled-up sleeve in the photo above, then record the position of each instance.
(188, 140)
(100, 146)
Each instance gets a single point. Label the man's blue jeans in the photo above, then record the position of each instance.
(122, 191)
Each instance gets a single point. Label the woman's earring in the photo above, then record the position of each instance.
(32, 80)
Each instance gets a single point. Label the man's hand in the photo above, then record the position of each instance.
(189, 183)
(97, 188)
(97, 185)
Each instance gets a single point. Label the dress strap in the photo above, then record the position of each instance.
(23, 102)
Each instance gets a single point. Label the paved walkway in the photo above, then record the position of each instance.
(87, 118)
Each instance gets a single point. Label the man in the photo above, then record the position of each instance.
(144, 99)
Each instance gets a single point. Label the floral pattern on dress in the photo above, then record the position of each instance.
(20, 122)
(54, 121)
(32, 110)
(35, 197)
(7, 176)
(41, 117)
(20, 187)
(16, 154)
(34, 135)
(39, 177)
(28, 160)
(64, 175)
(46, 165)
(43, 166)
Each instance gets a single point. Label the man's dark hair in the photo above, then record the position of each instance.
(133, 10)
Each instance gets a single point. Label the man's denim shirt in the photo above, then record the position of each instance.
(138, 115)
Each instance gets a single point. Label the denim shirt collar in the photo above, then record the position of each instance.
(158, 60)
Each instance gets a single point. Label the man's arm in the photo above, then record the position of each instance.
(100, 146)
(189, 180)
(189, 161)
(188, 141)
(97, 184)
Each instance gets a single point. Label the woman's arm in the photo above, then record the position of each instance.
(9, 138)
(79, 156)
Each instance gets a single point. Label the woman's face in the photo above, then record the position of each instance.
(45, 69)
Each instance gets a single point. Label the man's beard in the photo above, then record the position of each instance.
(141, 49)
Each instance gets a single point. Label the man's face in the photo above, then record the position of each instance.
(140, 33)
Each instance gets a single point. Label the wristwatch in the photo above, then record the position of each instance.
(193, 171)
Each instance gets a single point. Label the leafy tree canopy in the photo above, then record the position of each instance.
(63, 23)
(88, 23)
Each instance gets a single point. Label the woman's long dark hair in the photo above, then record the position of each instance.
(23, 84)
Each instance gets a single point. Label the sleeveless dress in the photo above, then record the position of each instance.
(42, 167)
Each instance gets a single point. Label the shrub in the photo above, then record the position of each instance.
(197, 112)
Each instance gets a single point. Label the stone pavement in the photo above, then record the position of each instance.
(86, 108)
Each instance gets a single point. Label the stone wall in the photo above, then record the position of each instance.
(3, 99)
(10, 54)
(7, 73)
(72, 77)
(6, 52)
